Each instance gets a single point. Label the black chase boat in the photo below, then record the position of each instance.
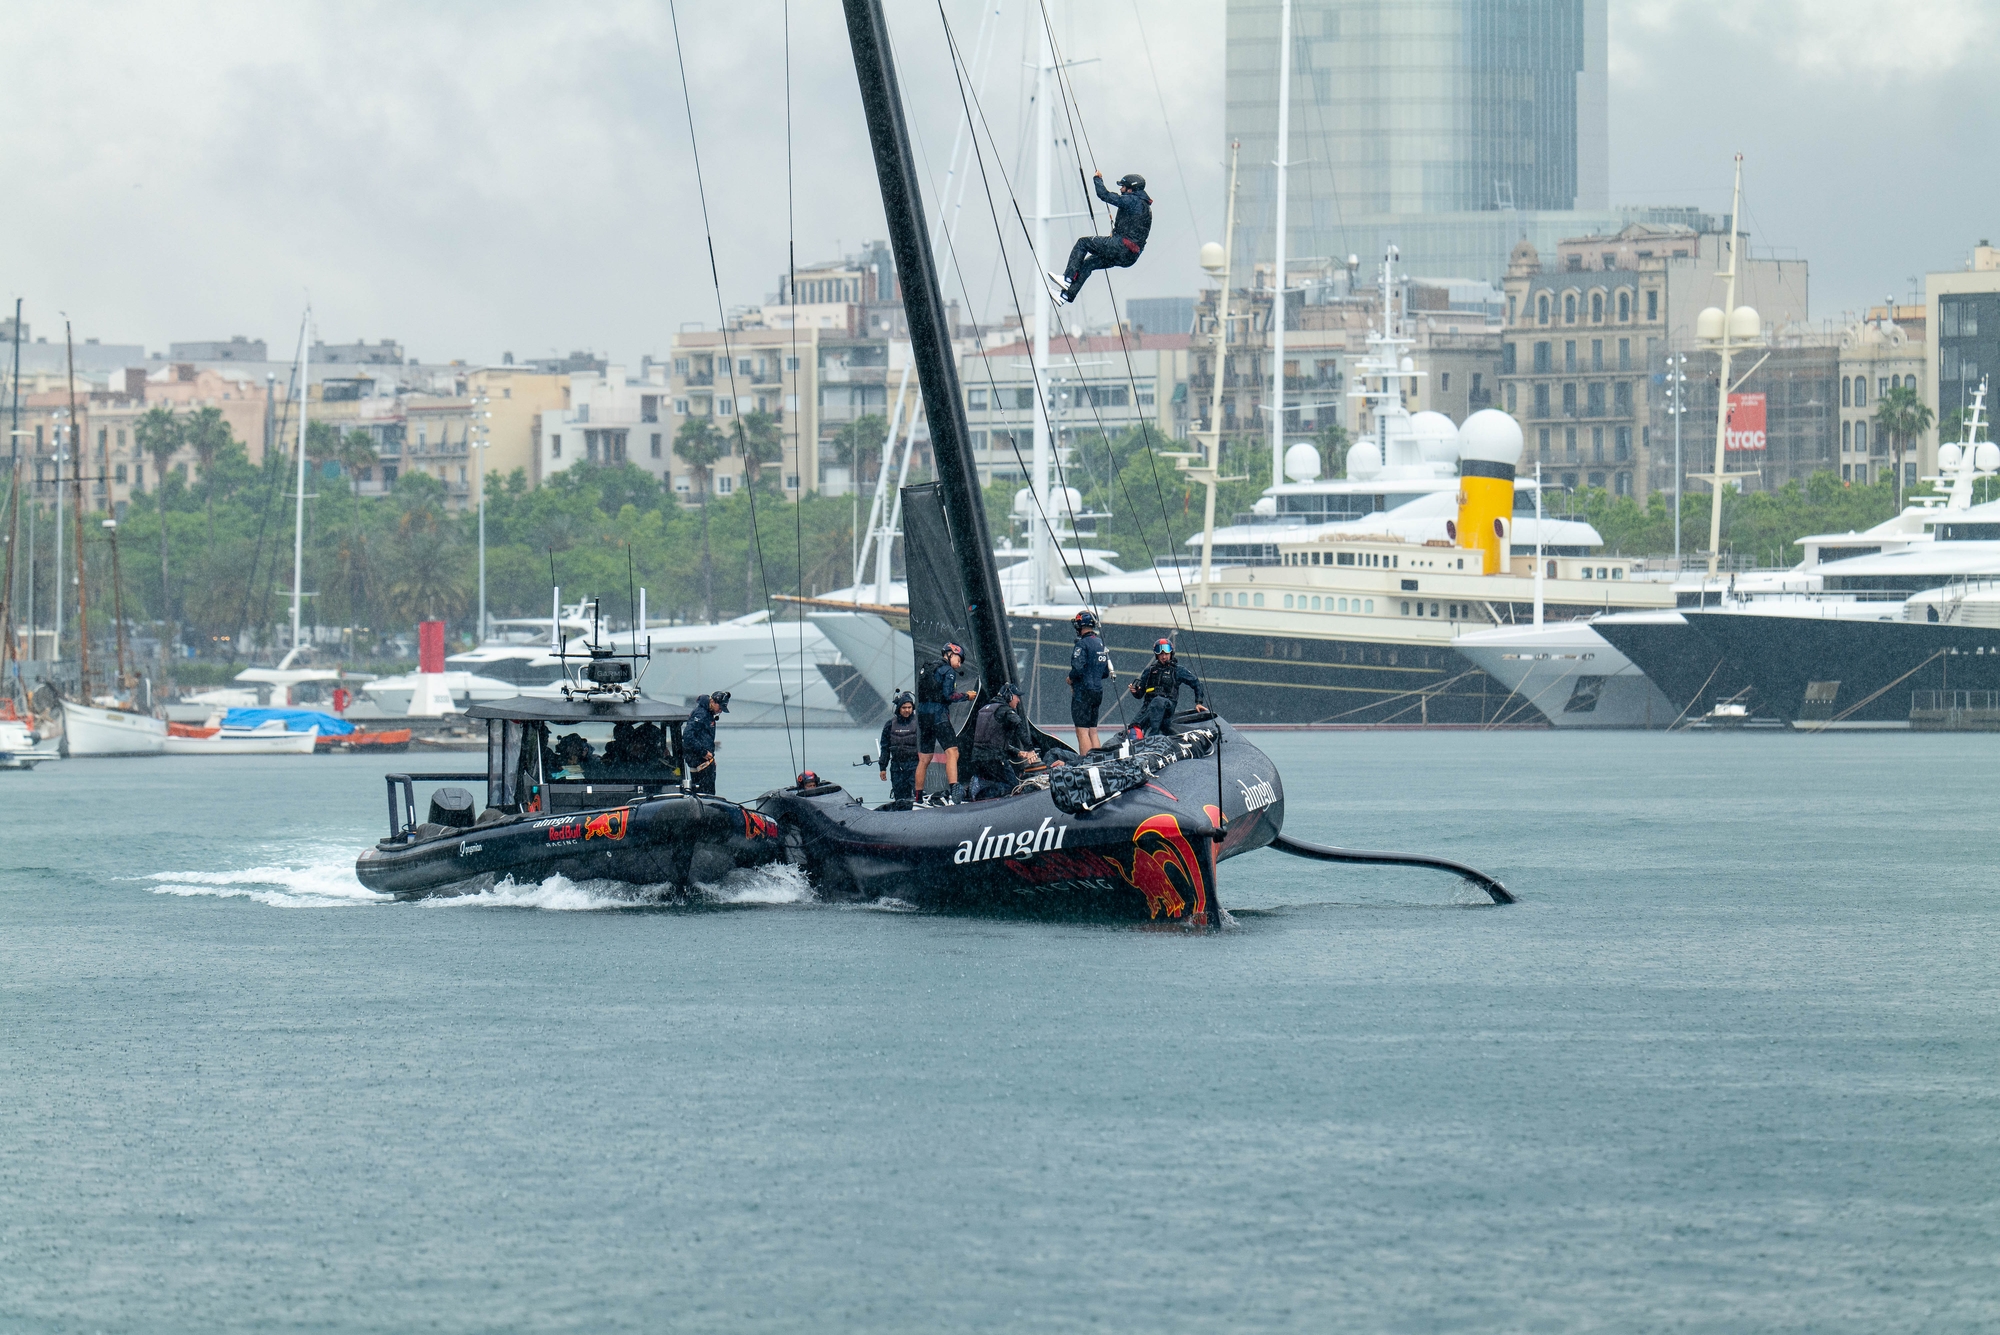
(1131, 833)
(587, 784)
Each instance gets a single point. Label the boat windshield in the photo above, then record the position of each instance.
(609, 752)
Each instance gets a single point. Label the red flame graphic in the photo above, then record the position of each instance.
(1164, 866)
(608, 825)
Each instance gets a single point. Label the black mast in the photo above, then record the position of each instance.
(930, 338)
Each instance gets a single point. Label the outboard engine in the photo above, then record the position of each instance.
(452, 807)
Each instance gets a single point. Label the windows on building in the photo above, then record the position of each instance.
(1508, 359)
(1542, 442)
(1597, 354)
(1569, 308)
(649, 407)
(1861, 391)
(656, 445)
(791, 363)
(1569, 354)
(681, 407)
(1861, 438)
(680, 366)
(1542, 309)
(1597, 308)
(555, 447)
(1594, 399)
(975, 400)
(1621, 399)
(1624, 307)
(1569, 399)
(1621, 444)
(1653, 305)
(1444, 381)
(725, 484)
(1846, 392)
(1542, 366)
(1541, 400)
(1624, 354)
(1597, 444)
(1569, 446)
(1510, 398)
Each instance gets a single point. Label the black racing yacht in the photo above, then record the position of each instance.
(586, 782)
(1135, 831)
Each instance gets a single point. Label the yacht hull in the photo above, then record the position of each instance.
(1276, 679)
(1147, 855)
(1816, 672)
(227, 742)
(1693, 673)
(1568, 674)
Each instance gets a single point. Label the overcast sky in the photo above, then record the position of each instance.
(473, 179)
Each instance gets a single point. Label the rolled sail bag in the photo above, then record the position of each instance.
(1080, 787)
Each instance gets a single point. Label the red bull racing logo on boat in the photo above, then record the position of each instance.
(758, 827)
(608, 825)
(1166, 870)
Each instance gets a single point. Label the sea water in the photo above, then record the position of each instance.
(1731, 1064)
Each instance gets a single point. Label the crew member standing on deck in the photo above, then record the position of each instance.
(937, 692)
(902, 743)
(1159, 689)
(1089, 669)
(698, 741)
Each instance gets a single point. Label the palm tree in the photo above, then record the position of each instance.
(1903, 415)
(357, 451)
(207, 434)
(158, 432)
(762, 441)
(852, 443)
(700, 445)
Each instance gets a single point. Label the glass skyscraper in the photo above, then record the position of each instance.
(1453, 128)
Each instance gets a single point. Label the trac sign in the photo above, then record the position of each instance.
(1746, 422)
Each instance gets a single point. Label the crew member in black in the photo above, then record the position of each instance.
(1089, 669)
(1000, 740)
(698, 740)
(901, 745)
(1159, 689)
(937, 692)
(1122, 248)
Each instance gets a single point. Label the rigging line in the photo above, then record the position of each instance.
(722, 320)
(1160, 94)
(798, 446)
(1133, 508)
(986, 185)
(1081, 133)
(274, 475)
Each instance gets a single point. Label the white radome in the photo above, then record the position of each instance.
(1436, 436)
(1302, 462)
(1212, 258)
(1745, 325)
(1708, 325)
(1949, 456)
(1986, 457)
(1364, 460)
(1490, 436)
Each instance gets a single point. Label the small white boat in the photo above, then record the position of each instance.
(270, 738)
(92, 731)
(21, 747)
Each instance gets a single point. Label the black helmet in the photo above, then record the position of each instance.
(1132, 181)
(1007, 692)
(902, 698)
(1085, 620)
(721, 699)
(1163, 646)
(951, 649)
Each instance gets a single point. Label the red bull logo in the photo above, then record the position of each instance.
(758, 827)
(562, 831)
(607, 825)
(1166, 869)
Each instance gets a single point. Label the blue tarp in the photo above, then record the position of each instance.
(296, 720)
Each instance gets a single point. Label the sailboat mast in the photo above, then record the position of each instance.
(1039, 558)
(76, 526)
(7, 649)
(1214, 469)
(930, 338)
(1278, 271)
(1722, 382)
(299, 510)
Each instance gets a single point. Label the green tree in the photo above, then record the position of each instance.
(1332, 440)
(854, 442)
(357, 451)
(1904, 415)
(700, 445)
(762, 440)
(158, 433)
(207, 433)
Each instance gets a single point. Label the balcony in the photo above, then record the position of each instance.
(701, 378)
(1479, 398)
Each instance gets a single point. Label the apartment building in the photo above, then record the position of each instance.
(1586, 336)
(1963, 307)
(614, 418)
(1883, 352)
(1103, 384)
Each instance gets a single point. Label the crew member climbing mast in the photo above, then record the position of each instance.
(1120, 250)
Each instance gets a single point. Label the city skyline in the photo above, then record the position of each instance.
(523, 184)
